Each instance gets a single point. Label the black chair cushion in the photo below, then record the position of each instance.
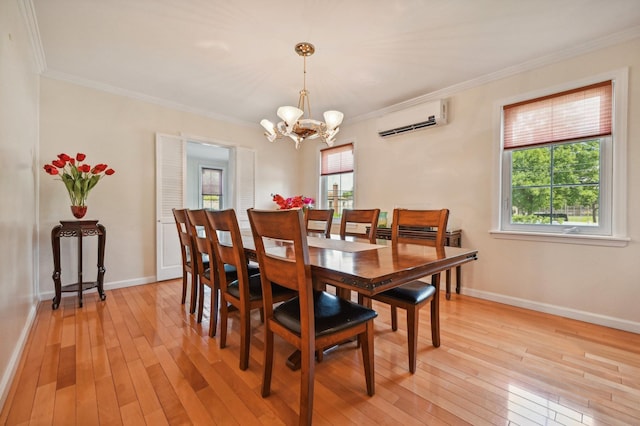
(331, 313)
(414, 292)
(255, 289)
(232, 274)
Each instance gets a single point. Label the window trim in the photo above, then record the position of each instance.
(618, 175)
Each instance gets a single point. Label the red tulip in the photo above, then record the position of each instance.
(85, 168)
(50, 169)
(64, 157)
(99, 168)
(109, 172)
(80, 156)
(58, 163)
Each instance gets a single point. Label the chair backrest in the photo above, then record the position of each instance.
(319, 215)
(186, 243)
(199, 230)
(362, 217)
(434, 219)
(287, 263)
(226, 240)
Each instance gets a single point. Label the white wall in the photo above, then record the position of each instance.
(18, 188)
(454, 166)
(121, 131)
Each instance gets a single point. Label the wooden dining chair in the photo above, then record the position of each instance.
(187, 250)
(203, 255)
(415, 294)
(314, 319)
(245, 291)
(313, 216)
(359, 217)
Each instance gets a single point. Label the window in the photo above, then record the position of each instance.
(557, 162)
(336, 178)
(211, 188)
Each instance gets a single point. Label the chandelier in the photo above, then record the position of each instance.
(295, 123)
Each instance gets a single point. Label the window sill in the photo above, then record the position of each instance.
(592, 240)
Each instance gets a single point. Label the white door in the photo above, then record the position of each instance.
(171, 178)
(170, 190)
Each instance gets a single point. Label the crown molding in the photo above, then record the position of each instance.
(31, 22)
(610, 40)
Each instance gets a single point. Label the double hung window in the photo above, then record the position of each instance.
(557, 162)
(211, 188)
(336, 178)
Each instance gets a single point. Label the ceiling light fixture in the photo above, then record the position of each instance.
(296, 127)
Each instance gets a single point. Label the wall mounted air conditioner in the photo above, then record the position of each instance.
(413, 118)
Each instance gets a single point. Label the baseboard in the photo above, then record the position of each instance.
(48, 295)
(562, 311)
(14, 361)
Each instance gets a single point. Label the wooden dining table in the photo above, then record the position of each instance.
(369, 269)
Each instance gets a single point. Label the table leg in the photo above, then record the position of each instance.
(55, 245)
(448, 280)
(458, 278)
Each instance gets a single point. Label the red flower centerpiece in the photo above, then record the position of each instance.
(79, 178)
(297, 202)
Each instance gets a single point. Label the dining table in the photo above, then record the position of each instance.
(369, 269)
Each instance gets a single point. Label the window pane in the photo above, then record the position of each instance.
(531, 167)
(212, 202)
(557, 184)
(339, 192)
(530, 205)
(576, 163)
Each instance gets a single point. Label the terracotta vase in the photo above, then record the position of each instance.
(79, 211)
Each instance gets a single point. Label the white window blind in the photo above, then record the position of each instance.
(338, 159)
(580, 113)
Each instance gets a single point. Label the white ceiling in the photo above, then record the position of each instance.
(235, 59)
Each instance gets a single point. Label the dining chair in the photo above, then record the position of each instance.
(314, 319)
(187, 250)
(313, 216)
(203, 255)
(245, 290)
(415, 294)
(359, 217)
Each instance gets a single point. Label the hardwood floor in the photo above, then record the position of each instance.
(139, 357)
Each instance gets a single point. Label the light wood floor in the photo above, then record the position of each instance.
(139, 357)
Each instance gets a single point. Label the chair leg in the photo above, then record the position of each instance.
(413, 315)
(200, 302)
(194, 294)
(307, 369)
(213, 317)
(184, 286)
(224, 315)
(435, 312)
(245, 334)
(268, 361)
(366, 341)
(394, 318)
